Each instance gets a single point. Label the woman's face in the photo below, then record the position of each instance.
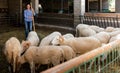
(28, 6)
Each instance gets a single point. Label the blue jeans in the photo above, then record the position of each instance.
(28, 27)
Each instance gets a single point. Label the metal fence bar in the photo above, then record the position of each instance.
(117, 18)
(111, 51)
(7, 19)
(101, 21)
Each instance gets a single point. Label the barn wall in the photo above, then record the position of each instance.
(15, 9)
(3, 7)
(3, 4)
(117, 6)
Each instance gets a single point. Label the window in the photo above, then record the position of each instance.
(56, 6)
(100, 5)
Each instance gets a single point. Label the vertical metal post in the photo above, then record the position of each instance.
(94, 65)
(61, 11)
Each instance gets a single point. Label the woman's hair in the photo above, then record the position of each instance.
(29, 5)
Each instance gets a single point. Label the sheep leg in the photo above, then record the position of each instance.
(37, 66)
(15, 63)
(10, 68)
(32, 67)
(77, 33)
(49, 65)
(18, 65)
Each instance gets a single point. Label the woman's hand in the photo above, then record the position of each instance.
(31, 17)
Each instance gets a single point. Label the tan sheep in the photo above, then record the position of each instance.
(82, 44)
(68, 53)
(42, 55)
(13, 50)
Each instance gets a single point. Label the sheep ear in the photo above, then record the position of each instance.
(61, 38)
(23, 40)
(28, 43)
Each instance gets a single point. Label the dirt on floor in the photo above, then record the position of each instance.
(7, 31)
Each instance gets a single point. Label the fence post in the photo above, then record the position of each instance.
(81, 17)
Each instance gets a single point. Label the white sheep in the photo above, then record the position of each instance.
(109, 29)
(33, 38)
(114, 38)
(114, 33)
(55, 41)
(84, 30)
(117, 37)
(42, 55)
(117, 29)
(80, 26)
(103, 37)
(13, 50)
(47, 40)
(97, 29)
(80, 45)
(68, 35)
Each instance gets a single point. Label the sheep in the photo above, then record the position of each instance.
(104, 56)
(80, 26)
(80, 45)
(114, 33)
(117, 29)
(103, 37)
(84, 30)
(33, 38)
(68, 35)
(68, 53)
(13, 50)
(97, 29)
(114, 38)
(47, 40)
(117, 37)
(42, 55)
(55, 41)
(109, 29)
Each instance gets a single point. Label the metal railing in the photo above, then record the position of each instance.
(8, 19)
(101, 60)
(100, 21)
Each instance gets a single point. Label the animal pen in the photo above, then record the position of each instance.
(104, 59)
(81, 63)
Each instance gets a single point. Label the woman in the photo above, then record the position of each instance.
(28, 18)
